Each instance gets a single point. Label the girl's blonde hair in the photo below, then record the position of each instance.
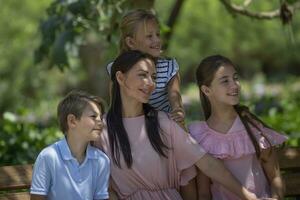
(129, 25)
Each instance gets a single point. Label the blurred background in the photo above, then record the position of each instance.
(49, 47)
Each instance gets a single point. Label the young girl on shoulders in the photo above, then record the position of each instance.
(140, 31)
(233, 134)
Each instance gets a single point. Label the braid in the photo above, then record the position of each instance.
(248, 119)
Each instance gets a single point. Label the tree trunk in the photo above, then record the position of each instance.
(172, 21)
(91, 56)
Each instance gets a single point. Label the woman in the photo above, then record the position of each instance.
(151, 155)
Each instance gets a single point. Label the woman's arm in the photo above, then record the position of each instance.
(177, 112)
(271, 167)
(189, 191)
(37, 197)
(216, 170)
(203, 186)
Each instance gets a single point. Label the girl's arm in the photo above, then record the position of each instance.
(203, 186)
(189, 191)
(177, 112)
(271, 167)
(216, 170)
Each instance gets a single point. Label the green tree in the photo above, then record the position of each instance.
(255, 45)
(85, 29)
(19, 79)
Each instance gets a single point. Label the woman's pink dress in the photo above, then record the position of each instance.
(238, 154)
(153, 177)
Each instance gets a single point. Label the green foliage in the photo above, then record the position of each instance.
(285, 116)
(23, 84)
(70, 24)
(21, 141)
(256, 45)
(19, 79)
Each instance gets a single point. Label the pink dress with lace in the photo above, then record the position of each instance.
(238, 154)
(153, 177)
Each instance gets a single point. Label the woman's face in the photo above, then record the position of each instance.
(139, 82)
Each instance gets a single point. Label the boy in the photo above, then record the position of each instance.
(71, 168)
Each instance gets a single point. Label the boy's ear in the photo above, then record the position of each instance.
(120, 77)
(71, 121)
(130, 42)
(205, 90)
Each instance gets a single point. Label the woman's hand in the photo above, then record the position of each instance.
(216, 170)
(250, 195)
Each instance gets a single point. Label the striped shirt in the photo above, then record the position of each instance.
(166, 69)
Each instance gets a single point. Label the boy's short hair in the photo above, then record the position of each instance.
(74, 103)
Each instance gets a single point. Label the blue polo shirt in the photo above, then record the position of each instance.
(58, 175)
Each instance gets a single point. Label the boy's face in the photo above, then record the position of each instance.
(90, 125)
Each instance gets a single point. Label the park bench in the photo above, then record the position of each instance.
(15, 180)
(289, 161)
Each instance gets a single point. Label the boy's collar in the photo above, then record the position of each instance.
(66, 152)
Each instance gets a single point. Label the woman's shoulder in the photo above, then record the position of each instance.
(163, 117)
(166, 124)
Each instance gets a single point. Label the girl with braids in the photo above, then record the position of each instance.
(233, 134)
(151, 155)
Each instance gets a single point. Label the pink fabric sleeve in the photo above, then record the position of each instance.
(273, 137)
(186, 152)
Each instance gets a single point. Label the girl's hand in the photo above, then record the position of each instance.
(177, 114)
